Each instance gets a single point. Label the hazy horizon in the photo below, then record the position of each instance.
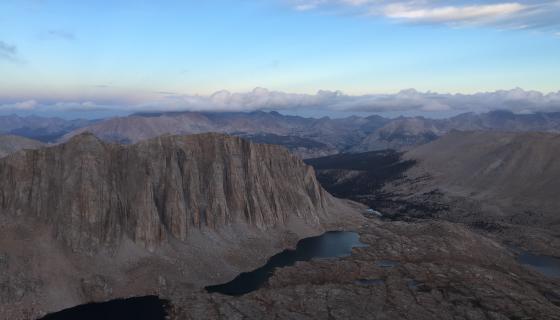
(321, 56)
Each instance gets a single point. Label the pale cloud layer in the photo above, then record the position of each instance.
(516, 100)
(22, 105)
(521, 14)
(454, 14)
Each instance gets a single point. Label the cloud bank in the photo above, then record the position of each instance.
(516, 100)
(522, 14)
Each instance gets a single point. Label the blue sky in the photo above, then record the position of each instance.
(163, 54)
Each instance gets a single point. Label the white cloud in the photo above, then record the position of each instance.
(29, 105)
(454, 14)
(223, 100)
(25, 105)
(357, 2)
(21, 105)
(305, 7)
(520, 14)
(75, 105)
(516, 100)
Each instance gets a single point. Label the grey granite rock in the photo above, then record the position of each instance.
(95, 193)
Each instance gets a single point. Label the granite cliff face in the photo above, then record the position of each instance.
(96, 193)
(92, 221)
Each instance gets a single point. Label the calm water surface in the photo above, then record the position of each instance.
(549, 266)
(138, 308)
(329, 245)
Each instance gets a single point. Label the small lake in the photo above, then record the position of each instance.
(329, 245)
(547, 265)
(137, 308)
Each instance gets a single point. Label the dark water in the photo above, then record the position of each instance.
(329, 245)
(138, 308)
(549, 266)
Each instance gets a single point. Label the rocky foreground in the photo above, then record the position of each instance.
(427, 270)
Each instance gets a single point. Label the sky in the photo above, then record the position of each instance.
(336, 55)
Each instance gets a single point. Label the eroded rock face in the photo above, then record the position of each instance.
(95, 193)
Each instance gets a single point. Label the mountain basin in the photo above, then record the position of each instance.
(333, 244)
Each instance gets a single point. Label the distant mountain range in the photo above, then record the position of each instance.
(404, 133)
(305, 137)
(339, 134)
(44, 129)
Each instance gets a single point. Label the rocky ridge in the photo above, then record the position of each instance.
(354, 134)
(334, 133)
(406, 133)
(95, 193)
(93, 221)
